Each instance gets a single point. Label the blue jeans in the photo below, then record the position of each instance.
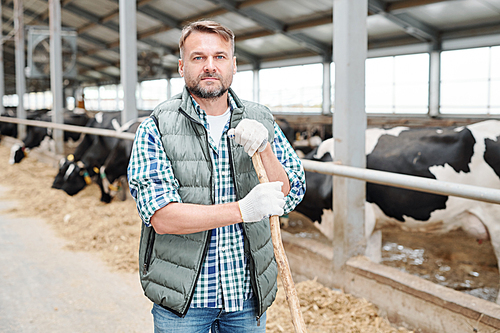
(202, 320)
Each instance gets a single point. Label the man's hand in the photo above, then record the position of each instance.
(251, 134)
(262, 201)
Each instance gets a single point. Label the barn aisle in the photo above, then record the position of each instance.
(48, 288)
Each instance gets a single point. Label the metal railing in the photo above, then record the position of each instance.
(70, 128)
(405, 181)
(373, 176)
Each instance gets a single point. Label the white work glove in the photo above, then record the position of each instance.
(251, 134)
(264, 200)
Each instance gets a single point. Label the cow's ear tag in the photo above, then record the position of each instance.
(96, 170)
(71, 157)
(86, 177)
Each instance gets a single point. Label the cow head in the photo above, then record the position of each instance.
(72, 176)
(115, 169)
(17, 153)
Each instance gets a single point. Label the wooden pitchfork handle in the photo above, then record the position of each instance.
(281, 259)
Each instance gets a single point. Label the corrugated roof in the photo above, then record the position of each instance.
(266, 30)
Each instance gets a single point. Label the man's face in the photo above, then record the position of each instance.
(207, 65)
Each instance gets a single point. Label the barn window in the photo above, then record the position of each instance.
(470, 81)
(397, 84)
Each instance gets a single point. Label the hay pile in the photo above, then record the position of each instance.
(327, 311)
(112, 231)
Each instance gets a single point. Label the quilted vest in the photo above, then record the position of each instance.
(170, 264)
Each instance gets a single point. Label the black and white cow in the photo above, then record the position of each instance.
(35, 135)
(467, 155)
(78, 169)
(114, 171)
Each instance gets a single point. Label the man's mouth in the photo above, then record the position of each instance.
(210, 77)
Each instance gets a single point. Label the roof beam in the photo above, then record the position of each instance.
(172, 23)
(410, 3)
(272, 24)
(108, 17)
(110, 25)
(409, 24)
(86, 68)
(157, 15)
(168, 24)
(83, 36)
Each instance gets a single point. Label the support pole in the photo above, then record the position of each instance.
(99, 106)
(256, 84)
(349, 126)
(128, 58)
(327, 88)
(139, 102)
(434, 82)
(2, 79)
(117, 97)
(169, 86)
(20, 59)
(56, 72)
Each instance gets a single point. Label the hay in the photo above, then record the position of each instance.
(112, 231)
(325, 310)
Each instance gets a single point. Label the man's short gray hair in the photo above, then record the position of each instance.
(206, 27)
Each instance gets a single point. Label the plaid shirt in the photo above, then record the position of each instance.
(224, 280)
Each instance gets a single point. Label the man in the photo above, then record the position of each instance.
(206, 255)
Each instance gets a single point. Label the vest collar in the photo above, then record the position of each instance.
(188, 108)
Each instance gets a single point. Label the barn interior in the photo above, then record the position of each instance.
(73, 56)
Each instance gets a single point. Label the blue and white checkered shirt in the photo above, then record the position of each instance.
(224, 281)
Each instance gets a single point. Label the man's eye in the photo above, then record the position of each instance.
(220, 57)
(198, 58)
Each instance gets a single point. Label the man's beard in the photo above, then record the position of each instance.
(207, 93)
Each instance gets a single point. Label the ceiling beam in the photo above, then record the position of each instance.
(86, 68)
(325, 18)
(110, 25)
(410, 25)
(45, 15)
(272, 24)
(410, 3)
(168, 23)
(172, 23)
(108, 17)
(89, 38)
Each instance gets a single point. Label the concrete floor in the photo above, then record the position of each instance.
(46, 288)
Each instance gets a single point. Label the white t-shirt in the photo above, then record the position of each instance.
(217, 124)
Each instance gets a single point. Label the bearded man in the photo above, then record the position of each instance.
(206, 255)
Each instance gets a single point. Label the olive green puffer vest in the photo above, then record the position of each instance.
(170, 264)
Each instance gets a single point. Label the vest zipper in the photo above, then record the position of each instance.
(149, 250)
(207, 243)
(230, 155)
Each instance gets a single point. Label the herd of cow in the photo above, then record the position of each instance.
(98, 159)
(468, 155)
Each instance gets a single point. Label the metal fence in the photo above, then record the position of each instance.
(70, 128)
(373, 176)
(405, 181)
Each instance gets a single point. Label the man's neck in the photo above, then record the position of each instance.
(213, 107)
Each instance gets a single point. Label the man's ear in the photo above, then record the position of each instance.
(181, 68)
(235, 69)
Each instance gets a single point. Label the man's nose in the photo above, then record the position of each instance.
(209, 65)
